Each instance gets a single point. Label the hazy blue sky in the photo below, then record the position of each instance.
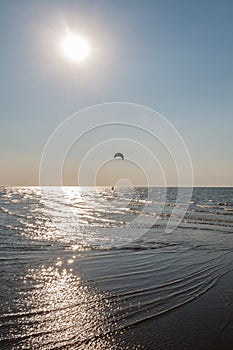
(175, 56)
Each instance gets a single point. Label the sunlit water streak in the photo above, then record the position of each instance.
(62, 286)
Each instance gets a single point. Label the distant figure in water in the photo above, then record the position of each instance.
(112, 188)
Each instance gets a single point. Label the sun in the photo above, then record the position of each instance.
(75, 48)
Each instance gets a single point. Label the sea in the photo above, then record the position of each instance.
(84, 267)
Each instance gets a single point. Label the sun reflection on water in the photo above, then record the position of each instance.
(61, 310)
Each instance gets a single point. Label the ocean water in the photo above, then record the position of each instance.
(81, 267)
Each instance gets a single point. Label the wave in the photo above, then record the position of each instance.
(104, 295)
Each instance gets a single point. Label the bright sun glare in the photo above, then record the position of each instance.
(75, 47)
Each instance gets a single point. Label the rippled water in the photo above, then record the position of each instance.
(66, 283)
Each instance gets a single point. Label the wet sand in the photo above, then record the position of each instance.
(206, 323)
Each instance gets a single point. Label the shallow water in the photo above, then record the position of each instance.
(67, 283)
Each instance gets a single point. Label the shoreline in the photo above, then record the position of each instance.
(205, 323)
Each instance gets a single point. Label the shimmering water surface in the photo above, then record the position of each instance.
(67, 283)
